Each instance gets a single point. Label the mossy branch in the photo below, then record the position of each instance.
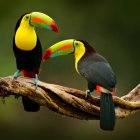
(68, 101)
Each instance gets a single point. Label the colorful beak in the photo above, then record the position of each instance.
(41, 20)
(61, 48)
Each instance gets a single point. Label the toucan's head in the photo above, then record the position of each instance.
(69, 46)
(37, 19)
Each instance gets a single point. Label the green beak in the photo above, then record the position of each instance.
(61, 48)
(41, 20)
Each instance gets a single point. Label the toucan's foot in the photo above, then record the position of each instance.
(87, 93)
(17, 96)
(17, 74)
(3, 100)
(36, 81)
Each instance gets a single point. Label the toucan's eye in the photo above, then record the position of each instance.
(27, 17)
(76, 44)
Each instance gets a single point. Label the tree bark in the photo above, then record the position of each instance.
(68, 101)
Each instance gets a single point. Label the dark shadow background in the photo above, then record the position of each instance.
(112, 27)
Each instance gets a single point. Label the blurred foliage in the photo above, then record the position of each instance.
(112, 27)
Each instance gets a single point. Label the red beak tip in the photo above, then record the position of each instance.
(55, 28)
(43, 60)
(57, 32)
(46, 55)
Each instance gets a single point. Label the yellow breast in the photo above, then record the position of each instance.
(25, 38)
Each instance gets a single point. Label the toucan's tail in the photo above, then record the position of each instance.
(29, 105)
(107, 112)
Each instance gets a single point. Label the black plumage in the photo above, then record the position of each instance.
(28, 62)
(107, 112)
(98, 72)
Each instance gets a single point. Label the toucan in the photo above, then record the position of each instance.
(27, 49)
(96, 70)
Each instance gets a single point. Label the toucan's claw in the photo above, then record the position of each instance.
(17, 96)
(36, 81)
(87, 93)
(17, 74)
(3, 100)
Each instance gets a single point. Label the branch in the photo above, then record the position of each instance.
(68, 101)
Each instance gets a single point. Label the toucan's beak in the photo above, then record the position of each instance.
(41, 20)
(61, 48)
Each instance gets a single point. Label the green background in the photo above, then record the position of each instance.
(111, 26)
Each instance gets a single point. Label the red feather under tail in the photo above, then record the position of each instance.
(30, 74)
(99, 90)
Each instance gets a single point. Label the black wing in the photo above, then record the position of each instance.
(97, 71)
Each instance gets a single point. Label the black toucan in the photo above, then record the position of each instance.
(97, 71)
(27, 49)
